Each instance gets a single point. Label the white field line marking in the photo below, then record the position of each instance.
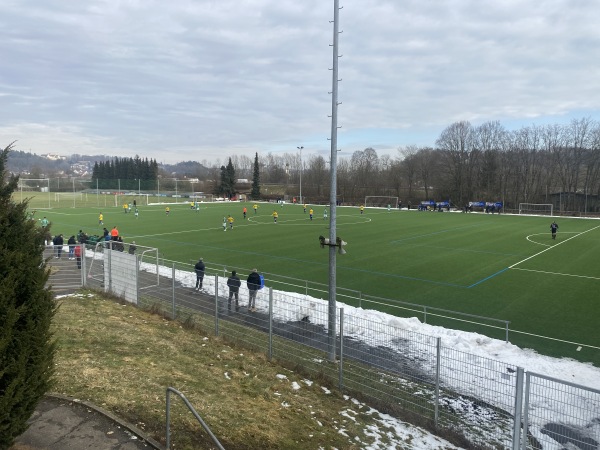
(557, 273)
(545, 234)
(556, 245)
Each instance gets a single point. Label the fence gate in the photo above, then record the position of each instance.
(65, 276)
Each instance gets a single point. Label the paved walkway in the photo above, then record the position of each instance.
(61, 423)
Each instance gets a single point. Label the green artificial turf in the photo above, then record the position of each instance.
(497, 266)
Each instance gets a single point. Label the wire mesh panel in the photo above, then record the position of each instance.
(477, 397)
(389, 364)
(65, 269)
(239, 322)
(300, 335)
(560, 415)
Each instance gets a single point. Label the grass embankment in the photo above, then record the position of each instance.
(122, 359)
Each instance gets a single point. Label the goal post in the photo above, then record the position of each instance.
(37, 190)
(542, 209)
(201, 197)
(381, 201)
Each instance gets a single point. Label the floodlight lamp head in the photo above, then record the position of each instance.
(340, 245)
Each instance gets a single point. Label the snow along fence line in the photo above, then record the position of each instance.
(488, 403)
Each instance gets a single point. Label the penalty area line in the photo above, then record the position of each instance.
(557, 273)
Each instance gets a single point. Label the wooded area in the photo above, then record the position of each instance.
(537, 164)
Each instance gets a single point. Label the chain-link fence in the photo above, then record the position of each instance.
(475, 401)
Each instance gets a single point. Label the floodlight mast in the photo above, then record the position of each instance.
(301, 167)
(332, 310)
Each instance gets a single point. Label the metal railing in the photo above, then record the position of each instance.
(193, 411)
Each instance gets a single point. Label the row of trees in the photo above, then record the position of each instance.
(535, 164)
(133, 172)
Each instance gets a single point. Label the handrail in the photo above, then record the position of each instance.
(196, 415)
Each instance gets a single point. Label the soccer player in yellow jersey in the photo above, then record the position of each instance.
(230, 220)
(275, 215)
(100, 219)
(310, 213)
(362, 209)
(255, 207)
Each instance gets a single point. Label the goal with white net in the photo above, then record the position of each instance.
(37, 190)
(201, 197)
(381, 201)
(541, 209)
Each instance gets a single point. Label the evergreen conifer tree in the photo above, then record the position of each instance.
(255, 193)
(26, 311)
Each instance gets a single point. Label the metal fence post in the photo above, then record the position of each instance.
(216, 305)
(168, 436)
(518, 409)
(109, 268)
(438, 359)
(173, 289)
(341, 368)
(526, 412)
(83, 265)
(270, 352)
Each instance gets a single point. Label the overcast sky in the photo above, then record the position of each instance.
(203, 80)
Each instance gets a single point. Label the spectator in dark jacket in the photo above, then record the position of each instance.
(234, 284)
(58, 242)
(72, 243)
(253, 283)
(199, 268)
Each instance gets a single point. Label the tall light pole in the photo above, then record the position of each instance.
(300, 148)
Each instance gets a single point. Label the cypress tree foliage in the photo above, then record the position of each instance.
(255, 193)
(227, 185)
(26, 311)
(130, 173)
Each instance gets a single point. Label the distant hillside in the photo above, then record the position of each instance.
(20, 162)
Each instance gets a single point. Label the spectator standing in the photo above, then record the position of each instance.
(253, 283)
(114, 233)
(71, 243)
(77, 253)
(132, 248)
(234, 283)
(199, 268)
(58, 242)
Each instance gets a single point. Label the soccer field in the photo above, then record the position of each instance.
(498, 266)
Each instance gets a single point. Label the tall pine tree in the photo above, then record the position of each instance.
(26, 311)
(255, 193)
(227, 185)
